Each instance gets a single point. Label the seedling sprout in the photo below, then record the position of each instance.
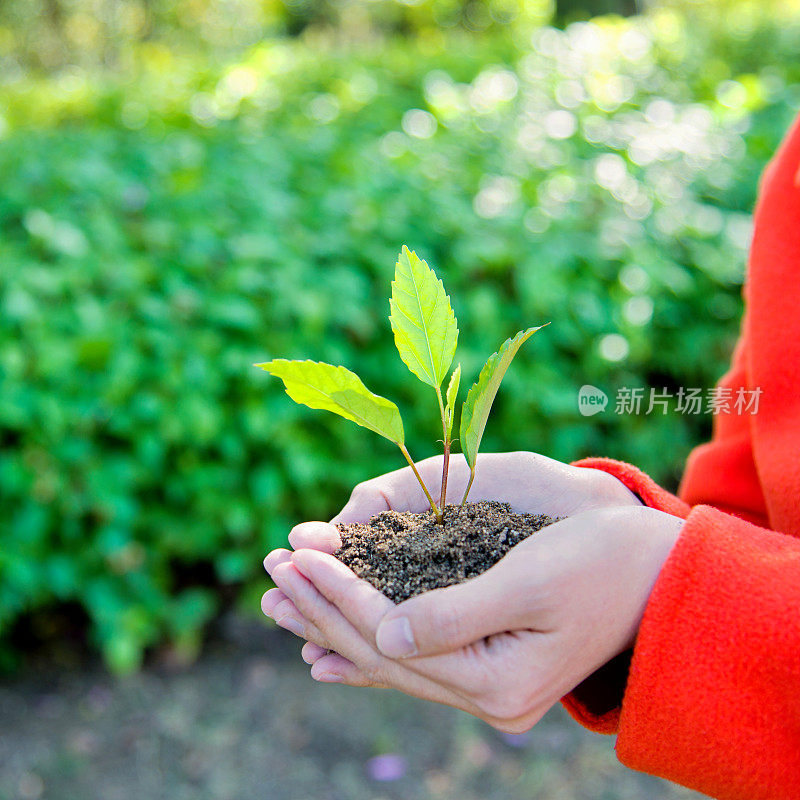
(425, 334)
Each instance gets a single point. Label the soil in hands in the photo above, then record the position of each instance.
(403, 554)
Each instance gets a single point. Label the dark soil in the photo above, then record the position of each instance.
(404, 554)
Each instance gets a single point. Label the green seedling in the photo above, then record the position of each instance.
(425, 333)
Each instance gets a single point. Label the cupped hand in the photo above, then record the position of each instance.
(505, 645)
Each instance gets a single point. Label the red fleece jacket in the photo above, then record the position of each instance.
(712, 699)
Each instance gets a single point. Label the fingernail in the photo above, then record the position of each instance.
(328, 677)
(265, 609)
(395, 639)
(292, 625)
(272, 557)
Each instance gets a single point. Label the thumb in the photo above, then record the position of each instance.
(366, 500)
(448, 619)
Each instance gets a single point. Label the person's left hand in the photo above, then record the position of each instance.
(506, 645)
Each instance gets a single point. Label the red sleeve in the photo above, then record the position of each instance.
(711, 700)
(710, 697)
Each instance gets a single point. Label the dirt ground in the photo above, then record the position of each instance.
(246, 722)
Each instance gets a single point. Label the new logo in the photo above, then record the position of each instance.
(591, 400)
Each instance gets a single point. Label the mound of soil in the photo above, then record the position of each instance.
(403, 554)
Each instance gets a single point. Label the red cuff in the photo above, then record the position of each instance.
(589, 703)
(649, 492)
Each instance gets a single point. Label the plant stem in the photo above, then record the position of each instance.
(466, 492)
(445, 470)
(446, 459)
(436, 512)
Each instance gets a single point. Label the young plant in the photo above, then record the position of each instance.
(425, 334)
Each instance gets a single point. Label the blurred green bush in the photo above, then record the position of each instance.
(163, 232)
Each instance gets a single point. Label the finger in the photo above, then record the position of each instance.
(339, 634)
(366, 500)
(277, 605)
(347, 609)
(312, 652)
(315, 536)
(275, 557)
(334, 668)
(356, 664)
(287, 616)
(364, 607)
(398, 490)
(429, 677)
(270, 599)
(361, 604)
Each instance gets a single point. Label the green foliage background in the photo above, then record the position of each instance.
(169, 217)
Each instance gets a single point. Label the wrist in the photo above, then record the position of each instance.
(656, 533)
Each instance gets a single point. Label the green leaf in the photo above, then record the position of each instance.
(323, 386)
(424, 325)
(452, 393)
(480, 397)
